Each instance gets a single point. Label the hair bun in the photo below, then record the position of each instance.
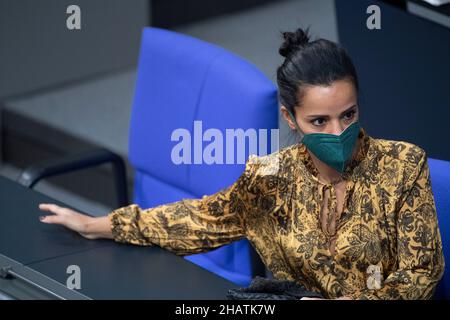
(293, 41)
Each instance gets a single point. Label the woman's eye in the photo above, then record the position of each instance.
(318, 121)
(349, 115)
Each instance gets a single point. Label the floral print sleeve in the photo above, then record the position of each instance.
(420, 258)
(188, 226)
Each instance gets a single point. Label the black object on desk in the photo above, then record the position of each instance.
(34, 258)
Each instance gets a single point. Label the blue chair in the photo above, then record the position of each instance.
(440, 183)
(180, 80)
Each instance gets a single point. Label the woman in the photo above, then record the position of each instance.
(342, 213)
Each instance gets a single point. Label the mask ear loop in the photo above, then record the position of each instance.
(299, 131)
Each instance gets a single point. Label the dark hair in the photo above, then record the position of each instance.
(319, 62)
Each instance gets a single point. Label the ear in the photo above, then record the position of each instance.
(287, 117)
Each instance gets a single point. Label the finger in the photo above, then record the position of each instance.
(52, 208)
(52, 219)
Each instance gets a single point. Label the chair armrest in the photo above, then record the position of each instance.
(33, 174)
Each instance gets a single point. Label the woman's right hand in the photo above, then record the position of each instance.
(88, 227)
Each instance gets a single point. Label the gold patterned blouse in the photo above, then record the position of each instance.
(385, 243)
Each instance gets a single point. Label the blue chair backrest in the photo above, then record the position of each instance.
(440, 183)
(181, 79)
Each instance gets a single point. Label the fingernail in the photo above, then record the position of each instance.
(42, 218)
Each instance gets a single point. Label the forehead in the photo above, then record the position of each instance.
(332, 99)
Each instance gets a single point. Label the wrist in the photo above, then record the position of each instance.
(99, 227)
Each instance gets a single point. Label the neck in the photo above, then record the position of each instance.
(327, 173)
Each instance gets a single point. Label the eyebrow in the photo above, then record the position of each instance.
(326, 116)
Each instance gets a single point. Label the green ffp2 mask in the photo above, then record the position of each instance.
(334, 150)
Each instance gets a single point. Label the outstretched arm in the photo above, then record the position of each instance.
(185, 227)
